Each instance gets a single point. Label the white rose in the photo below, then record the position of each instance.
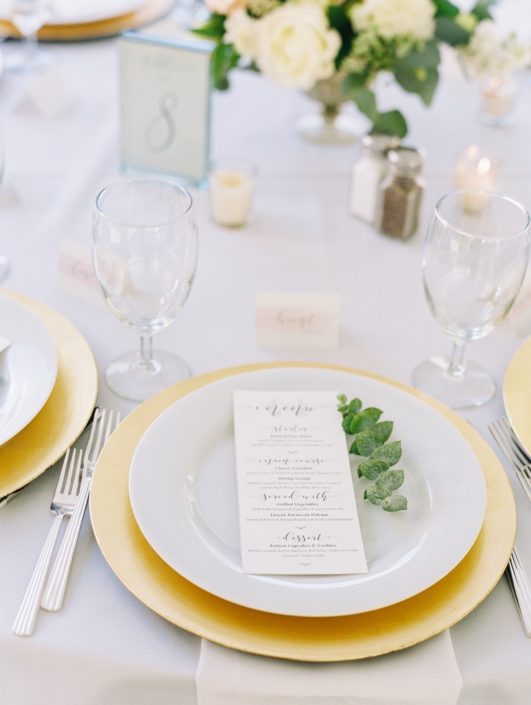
(488, 52)
(296, 47)
(395, 18)
(240, 30)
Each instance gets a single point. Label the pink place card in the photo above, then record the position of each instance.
(297, 320)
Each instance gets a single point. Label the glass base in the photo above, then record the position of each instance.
(496, 120)
(4, 267)
(474, 387)
(131, 379)
(322, 129)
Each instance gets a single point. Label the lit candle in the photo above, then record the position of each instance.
(498, 96)
(474, 172)
(231, 194)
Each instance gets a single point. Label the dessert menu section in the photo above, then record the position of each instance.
(296, 501)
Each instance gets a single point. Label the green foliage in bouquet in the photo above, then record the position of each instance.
(301, 42)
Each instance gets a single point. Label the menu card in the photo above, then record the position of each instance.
(297, 508)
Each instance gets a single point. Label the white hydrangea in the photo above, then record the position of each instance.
(295, 45)
(395, 18)
(489, 53)
(241, 30)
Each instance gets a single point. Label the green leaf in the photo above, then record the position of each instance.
(390, 453)
(223, 59)
(355, 406)
(364, 99)
(390, 123)
(347, 420)
(481, 10)
(450, 32)
(339, 20)
(367, 441)
(373, 495)
(422, 81)
(428, 57)
(371, 469)
(354, 82)
(364, 420)
(349, 408)
(390, 481)
(445, 8)
(396, 503)
(381, 431)
(213, 28)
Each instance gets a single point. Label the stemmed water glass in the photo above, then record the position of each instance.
(29, 16)
(475, 257)
(145, 256)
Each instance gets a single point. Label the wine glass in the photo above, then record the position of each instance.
(29, 16)
(145, 256)
(475, 257)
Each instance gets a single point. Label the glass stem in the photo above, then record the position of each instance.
(31, 44)
(147, 361)
(456, 366)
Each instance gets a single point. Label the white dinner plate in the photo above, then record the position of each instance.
(81, 11)
(28, 368)
(184, 498)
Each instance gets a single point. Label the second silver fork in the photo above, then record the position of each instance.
(505, 437)
(54, 593)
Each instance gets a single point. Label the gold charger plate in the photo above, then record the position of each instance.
(299, 638)
(65, 414)
(517, 393)
(151, 11)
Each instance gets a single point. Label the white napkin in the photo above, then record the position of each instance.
(426, 674)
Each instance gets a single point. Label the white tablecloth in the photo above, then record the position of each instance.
(105, 643)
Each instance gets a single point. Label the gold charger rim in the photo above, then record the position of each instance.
(516, 397)
(151, 11)
(320, 639)
(66, 413)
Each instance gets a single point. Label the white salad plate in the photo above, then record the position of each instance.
(184, 498)
(28, 368)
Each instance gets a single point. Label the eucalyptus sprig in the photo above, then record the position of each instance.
(370, 438)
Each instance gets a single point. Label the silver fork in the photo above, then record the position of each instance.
(505, 437)
(521, 589)
(54, 593)
(62, 505)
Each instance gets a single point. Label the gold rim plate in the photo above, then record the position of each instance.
(516, 393)
(299, 638)
(64, 416)
(151, 11)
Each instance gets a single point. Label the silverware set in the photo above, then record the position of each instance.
(508, 443)
(46, 588)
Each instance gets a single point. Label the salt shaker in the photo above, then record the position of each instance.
(367, 172)
(400, 194)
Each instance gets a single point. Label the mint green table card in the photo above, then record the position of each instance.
(165, 105)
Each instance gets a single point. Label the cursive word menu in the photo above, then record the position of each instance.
(296, 501)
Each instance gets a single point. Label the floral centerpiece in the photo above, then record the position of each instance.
(306, 44)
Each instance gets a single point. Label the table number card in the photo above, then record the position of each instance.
(165, 105)
(297, 508)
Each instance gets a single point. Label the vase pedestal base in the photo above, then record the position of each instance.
(324, 128)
